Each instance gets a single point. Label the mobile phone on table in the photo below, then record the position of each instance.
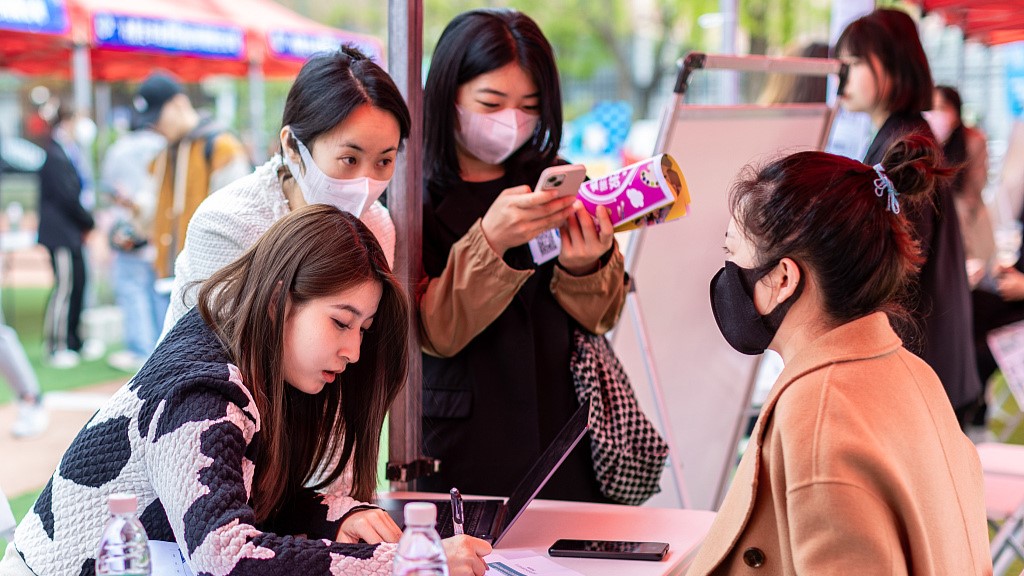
(565, 179)
(613, 549)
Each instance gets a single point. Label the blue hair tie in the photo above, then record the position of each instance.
(882, 185)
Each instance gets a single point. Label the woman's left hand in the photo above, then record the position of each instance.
(372, 526)
(583, 242)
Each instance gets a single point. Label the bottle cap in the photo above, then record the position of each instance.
(420, 514)
(122, 503)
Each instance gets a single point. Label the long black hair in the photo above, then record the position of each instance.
(475, 43)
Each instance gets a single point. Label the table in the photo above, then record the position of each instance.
(545, 521)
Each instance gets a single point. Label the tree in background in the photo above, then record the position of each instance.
(641, 40)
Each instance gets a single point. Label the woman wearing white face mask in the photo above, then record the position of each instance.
(965, 147)
(343, 124)
(495, 327)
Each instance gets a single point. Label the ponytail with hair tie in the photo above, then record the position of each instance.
(913, 165)
(882, 185)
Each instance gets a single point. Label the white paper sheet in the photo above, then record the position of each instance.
(528, 564)
(166, 559)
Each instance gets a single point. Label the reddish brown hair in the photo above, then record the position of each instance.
(822, 211)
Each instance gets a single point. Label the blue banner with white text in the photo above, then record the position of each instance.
(300, 46)
(37, 16)
(174, 36)
(1013, 59)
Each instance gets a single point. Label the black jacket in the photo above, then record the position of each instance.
(62, 218)
(942, 301)
(490, 410)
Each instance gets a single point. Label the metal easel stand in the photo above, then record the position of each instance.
(640, 329)
(695, 61)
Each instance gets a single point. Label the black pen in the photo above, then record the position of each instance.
(457, 517)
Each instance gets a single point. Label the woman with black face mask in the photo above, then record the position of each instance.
(856, 464)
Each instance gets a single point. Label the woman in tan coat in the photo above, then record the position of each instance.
(857, 464)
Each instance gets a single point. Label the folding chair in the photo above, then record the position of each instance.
(1007, 346)
(1004, 506)
(1003, 468)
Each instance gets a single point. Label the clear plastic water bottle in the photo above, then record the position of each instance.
(124, 546)
(419, 550)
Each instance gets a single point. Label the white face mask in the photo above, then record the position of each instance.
(494, 137)
(349, 194)
(942, 124)
(85, 132)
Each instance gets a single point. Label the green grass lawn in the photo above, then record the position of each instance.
(23, 310)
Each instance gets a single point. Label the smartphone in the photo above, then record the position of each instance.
(614, 549)
(566, 179)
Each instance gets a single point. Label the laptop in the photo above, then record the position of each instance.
(490, 519)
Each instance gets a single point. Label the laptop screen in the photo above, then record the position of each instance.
(545, 466)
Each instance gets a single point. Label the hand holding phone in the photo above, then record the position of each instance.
(612, 549)
(565, 179)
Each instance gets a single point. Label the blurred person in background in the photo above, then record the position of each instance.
(16, 370)
(63, 225)
(125, 178)
(889, 79)
(999, 298)
(19, 375)
(966, 150)
(201, 157)
(797, 88)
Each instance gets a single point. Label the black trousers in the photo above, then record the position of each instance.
(64, 309)
(990, 312)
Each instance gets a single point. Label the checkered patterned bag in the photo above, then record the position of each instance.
(629, 455)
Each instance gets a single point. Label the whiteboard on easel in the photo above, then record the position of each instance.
(706, 385)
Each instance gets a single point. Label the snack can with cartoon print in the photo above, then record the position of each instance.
(648, 192)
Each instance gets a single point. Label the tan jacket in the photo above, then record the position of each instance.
(476, 287)
(185, 181)
(855, 466)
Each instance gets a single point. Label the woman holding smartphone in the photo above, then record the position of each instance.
(890, 80)
(496, 328)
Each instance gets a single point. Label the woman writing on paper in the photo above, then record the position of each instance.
(856, 464)
(250, 436)
(496, 329)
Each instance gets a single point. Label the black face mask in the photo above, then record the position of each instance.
(732, 302)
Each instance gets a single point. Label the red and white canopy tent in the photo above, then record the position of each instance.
(124, 40)
(278, 42)
(988, 21)
(121, 39)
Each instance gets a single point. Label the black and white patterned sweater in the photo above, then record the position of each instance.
(181, 437)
